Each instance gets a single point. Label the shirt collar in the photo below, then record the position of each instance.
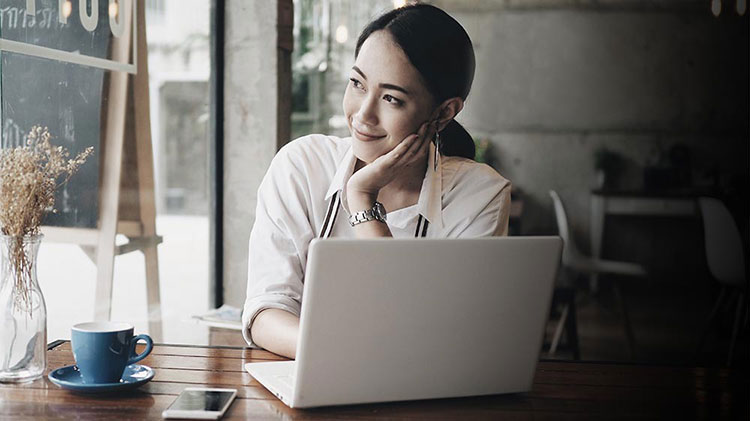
(429, 204)
(344, 170)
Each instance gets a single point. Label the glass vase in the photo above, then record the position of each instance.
(23, 312)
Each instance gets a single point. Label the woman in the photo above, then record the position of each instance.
(413, 70)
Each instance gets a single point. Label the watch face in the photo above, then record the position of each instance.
(380, 210)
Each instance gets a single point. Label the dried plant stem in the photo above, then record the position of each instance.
(28, 180)
(21, 268)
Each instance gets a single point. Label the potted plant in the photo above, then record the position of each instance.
(29, 176)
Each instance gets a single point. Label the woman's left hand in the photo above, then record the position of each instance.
(370, 179)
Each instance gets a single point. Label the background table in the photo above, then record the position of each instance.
(633, 203)
(561, 390)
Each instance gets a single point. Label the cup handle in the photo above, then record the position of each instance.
(144, 354)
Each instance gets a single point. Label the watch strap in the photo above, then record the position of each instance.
(376, 213)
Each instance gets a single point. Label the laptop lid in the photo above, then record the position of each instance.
(403, 319)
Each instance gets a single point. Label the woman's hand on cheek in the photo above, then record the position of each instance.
(370, 179)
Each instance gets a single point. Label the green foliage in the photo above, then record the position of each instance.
(482, 147)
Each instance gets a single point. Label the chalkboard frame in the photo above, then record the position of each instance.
(74, 57)
(45, 83)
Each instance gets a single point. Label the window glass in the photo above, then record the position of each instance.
(325, 35)
(68, 97)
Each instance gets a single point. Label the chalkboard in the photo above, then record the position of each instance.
(67, 98)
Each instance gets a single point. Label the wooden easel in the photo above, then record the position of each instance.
(127, 204)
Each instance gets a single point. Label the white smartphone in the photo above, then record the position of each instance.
(200, 403)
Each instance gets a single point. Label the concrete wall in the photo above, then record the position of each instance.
(557, 80)
(250, 108)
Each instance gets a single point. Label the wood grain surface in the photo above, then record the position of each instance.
(562, 390)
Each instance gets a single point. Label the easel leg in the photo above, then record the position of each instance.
(109, 193)
(145, 170)
(152, 293)
(105, 261)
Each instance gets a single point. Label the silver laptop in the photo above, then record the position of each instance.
(404, 319)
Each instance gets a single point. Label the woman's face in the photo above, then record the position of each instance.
(385, 100)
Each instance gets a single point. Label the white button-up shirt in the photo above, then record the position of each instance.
(460, 198)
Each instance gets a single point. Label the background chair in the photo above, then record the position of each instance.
(726, 262)
(565, 296)
(576, 261)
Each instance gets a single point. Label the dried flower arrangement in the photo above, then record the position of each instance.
(29, 177)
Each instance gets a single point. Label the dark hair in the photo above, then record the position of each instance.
(441, 51)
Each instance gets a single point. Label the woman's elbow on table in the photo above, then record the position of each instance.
(276, 331)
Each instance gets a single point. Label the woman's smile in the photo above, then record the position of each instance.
(364, 134)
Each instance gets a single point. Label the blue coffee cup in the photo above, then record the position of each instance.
(103, 349)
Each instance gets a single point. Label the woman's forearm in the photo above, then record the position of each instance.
(276, 331)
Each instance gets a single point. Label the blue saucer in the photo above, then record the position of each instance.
(70, 378)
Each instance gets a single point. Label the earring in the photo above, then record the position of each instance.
(437, 150)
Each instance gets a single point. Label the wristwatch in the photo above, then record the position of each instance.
(377, 213)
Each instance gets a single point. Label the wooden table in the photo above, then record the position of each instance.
(561, 390)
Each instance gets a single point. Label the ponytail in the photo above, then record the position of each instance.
(457, 141)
